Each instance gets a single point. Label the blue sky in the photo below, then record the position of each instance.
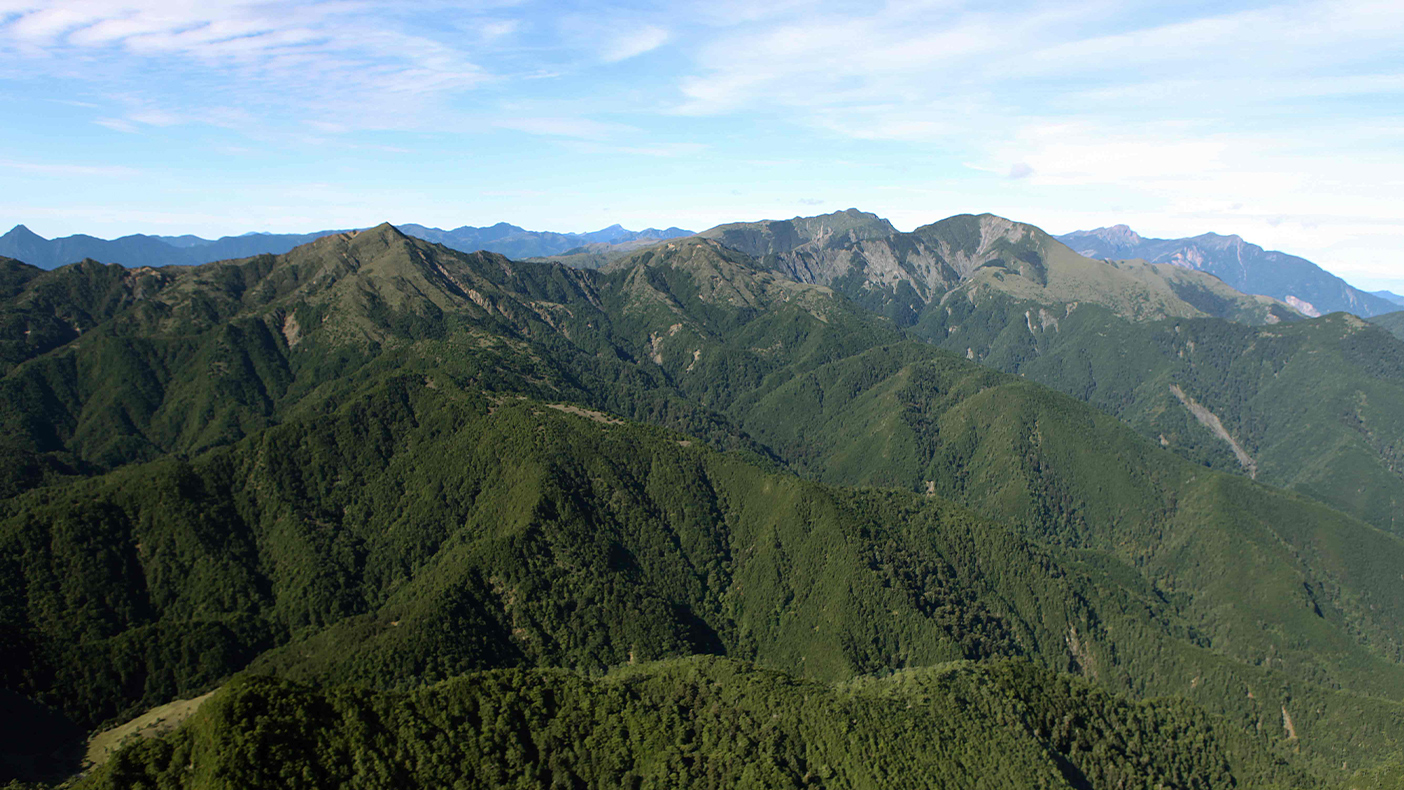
(1282, 122)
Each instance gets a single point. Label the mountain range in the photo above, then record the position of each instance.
(1246, 267)
(783, 504)
(139, 250)
(1240, 383)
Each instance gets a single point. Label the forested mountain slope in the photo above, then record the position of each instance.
(1315, 406)
(705, 723)
(1392, 322)
(378, 461)
(337, 550)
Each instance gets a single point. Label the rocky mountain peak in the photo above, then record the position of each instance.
(1116, 235)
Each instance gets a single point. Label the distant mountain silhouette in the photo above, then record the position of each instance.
(23, 244)
(1247, 267)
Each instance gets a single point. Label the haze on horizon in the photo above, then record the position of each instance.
(1280, 122)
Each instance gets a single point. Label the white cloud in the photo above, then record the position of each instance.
(1098, 112)
(937, 59)
(498, 28)
(655, 149)
(636, 42)
(580, 128)
(83, 171)
(310, 59)
(117, 125)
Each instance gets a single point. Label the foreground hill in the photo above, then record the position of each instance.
(338, 551)
(1247, 267)
(704, 723)
(381, 462)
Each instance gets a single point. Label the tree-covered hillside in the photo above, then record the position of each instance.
(375, 462)
(707, 723)
(1392, 322)
(1314, 406)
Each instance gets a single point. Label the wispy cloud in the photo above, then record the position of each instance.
(337, 58)
(1278, 108)
(117, 125)
(579, 128)
(1279, 120)
(913, 69)
(85, 171)
(635, 42)
(666, 150)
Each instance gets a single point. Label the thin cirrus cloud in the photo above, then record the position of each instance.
(571, 127)
(1258, 106)
(1050, 112)
(911, 56)
(635, 43)
(321, 56)
(84, 171)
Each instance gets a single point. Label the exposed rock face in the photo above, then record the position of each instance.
(973, 257)
(1303, 306)
(853, 247)
(1117, 236)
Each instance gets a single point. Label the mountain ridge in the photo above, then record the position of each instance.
(1245, 266)
(1316, 293)
(139, 250)
(910, 276)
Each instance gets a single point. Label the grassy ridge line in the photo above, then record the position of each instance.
(701, 722)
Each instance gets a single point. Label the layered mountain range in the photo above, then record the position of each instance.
(785, 504)
(139, 250)
(1244, 267)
